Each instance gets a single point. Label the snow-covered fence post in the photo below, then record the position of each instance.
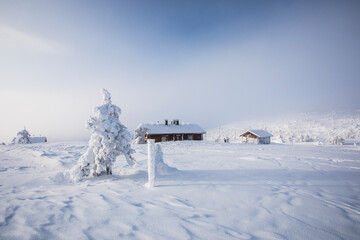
(151, 162)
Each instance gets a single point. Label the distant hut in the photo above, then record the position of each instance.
(256, 136)
(38, 139)
(24, 137)
(172, 132)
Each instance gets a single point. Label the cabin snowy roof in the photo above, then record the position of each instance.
(258, 133)
(172, 128)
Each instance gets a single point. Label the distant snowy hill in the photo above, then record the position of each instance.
(333, 128)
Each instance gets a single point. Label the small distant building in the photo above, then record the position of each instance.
(38, 139)
(256, 136)
(24, 137)
(172, 132)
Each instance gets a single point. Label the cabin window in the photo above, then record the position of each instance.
(163, 138)
(190, 137)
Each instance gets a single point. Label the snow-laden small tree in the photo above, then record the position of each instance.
(139, 136)
(337, 140)
(23, 137)
(161, 168)
(109, 139)
(156, 164)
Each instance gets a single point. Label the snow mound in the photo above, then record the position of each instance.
(161, 168)
(62, 177)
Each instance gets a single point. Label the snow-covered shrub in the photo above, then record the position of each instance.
(139, 136)
(23, 137)
(337, 141)
(109, 139)
(278, 139)
(306, 138)
(161, 167)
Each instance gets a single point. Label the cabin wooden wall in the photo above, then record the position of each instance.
(174, 137)
(265, 140)
(249, 135)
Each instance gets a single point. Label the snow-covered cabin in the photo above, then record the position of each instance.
(24, 137)
(38, 139)
(256, 136)
(172, 132)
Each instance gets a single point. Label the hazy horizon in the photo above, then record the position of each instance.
(205, 62)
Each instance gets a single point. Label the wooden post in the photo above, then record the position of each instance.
(151, 163)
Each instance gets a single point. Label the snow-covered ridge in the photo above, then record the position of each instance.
(333, 128)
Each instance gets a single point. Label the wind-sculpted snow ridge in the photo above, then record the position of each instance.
(331, 128)
(220, 191)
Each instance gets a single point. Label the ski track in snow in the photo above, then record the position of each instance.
(220, 191)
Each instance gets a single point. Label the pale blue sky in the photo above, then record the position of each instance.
(207, 62)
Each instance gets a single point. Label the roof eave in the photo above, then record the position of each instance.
(270, 135)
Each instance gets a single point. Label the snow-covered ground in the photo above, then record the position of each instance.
(320, 128)
(220, 191)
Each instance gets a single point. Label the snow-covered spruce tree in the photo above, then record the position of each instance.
(23, 137)
(109, 139)
(139, 136)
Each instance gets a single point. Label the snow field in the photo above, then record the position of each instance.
(220, 191)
